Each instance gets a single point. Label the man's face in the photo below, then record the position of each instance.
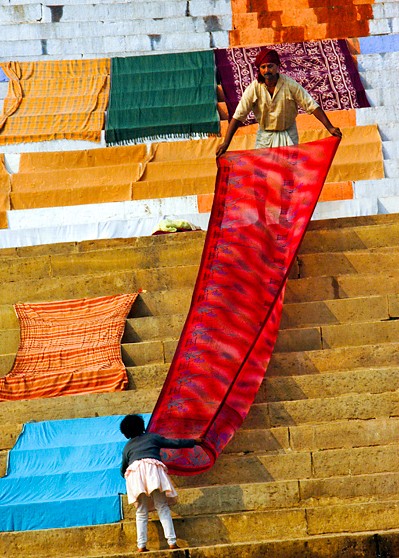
(268, 70)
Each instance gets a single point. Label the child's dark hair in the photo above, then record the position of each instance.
(132, 426)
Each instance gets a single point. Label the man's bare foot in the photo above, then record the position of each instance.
(143, 549)
(173, 546)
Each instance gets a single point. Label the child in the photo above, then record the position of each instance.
(147, 481)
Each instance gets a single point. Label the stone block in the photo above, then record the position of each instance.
(145, 352)
(169, 349)
(8, 317)
(14, 413)
(149, 376)
(332, 360)
(20, 13)
(175, 42)
(252, 469)
(273, 441)
(9, 341)
(393, 305)
(345, 546)
(391, 167)
(151, 328)
(120, 537)
(15, 269)
(368, 284)
(356, 461)
(382, 188)
(349, 310)
(117, 260)
(373, 516)
(368, 333)
(344, 434)
(346, 407)
(3, 462)
(258, 417)
(292, 388)
(310, 289)
(158, 303)
(209, 7)
(15, 49)
(230, 499)
(345, 208)
(6, 363)
(352, 487)
(354, 238)
(306, 339)
(354, 262)
(9, 434)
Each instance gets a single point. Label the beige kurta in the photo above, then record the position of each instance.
(277, 113)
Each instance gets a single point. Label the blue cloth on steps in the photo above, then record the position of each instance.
(64, 473)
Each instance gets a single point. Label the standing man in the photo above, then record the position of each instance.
(274, 98)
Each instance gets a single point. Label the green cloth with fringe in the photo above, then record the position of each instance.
(163, 95)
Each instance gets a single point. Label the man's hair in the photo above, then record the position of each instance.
(132, 426)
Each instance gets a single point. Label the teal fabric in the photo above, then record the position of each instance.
(64, 473)
(162, 95)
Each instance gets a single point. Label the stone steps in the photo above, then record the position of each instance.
(319, 441)
(209, 530)
(95, 29)
(304, 325)
(364, 544)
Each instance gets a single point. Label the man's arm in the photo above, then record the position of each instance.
(322, 117)
(231, 130)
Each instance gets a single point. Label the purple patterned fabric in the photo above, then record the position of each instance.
(324, 68)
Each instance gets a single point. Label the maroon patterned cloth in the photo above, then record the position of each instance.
(263, 202)
(324, 68)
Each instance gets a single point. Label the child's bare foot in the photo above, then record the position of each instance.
(143, 549)
(173, 546)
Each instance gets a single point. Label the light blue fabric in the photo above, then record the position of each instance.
(64, 473)
(379, 44)
(3, 76)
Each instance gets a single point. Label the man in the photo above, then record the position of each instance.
(274, 98)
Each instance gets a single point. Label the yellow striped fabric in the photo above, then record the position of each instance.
(55, 100)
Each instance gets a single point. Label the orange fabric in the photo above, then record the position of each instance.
(184, 168)
(256, 22)
(107, 156)
(340, 118)
(69, 347)
(331, 191)
(188, 167)
(336, 191)
(205, 202)
(5, 186)
(78, 177)
(55, 100)
(359, 156)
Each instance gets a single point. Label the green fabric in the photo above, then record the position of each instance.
(162, 95)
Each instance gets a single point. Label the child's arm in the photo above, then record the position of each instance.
(124, 464)
(178, 442)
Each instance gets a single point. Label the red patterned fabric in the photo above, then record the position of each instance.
(263, 203)
(69, 347)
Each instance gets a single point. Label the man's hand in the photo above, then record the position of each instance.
(335, 132)
(222, 149)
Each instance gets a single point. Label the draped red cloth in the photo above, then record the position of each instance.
(263, 202)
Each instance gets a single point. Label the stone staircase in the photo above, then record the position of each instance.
(314, 469)
(53, 30)
(384, 112)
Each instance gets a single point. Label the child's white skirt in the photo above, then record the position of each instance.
(146, 475)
